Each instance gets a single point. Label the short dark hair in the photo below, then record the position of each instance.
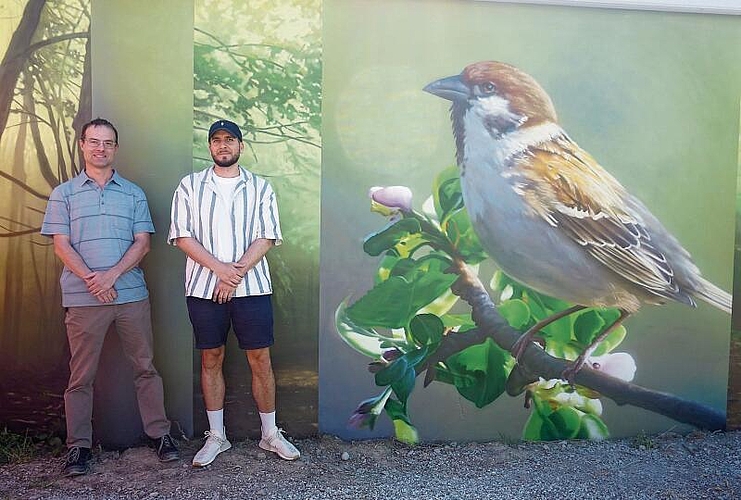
(98, 122)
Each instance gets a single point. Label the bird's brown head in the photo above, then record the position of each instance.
(500, 96)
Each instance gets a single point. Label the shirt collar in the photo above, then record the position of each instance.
(83, 178)
(244, 175)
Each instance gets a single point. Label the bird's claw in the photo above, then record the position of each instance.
(572, 369)
(519, 347)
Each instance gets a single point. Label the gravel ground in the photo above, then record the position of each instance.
(669, 466)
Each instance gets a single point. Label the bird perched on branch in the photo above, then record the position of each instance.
(549, 215)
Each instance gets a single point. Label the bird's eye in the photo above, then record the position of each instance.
(488, 88)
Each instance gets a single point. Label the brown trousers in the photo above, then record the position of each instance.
(86, 330)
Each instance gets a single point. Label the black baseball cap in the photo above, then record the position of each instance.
(226, 125)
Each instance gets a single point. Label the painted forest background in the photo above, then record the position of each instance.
(44, 98)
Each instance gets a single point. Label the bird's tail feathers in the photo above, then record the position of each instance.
(714, 296)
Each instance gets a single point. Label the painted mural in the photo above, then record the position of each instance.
(266, 77)
(44, 95)
(576, 256)
(510, 289)
(422, 303)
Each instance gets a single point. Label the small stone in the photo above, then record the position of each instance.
(261, 456)
(345, 456)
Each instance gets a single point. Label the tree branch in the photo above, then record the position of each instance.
(13, 234)
(538, 363)
(25, 187)
(49, 41)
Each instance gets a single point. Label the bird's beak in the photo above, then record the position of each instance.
(450, 88)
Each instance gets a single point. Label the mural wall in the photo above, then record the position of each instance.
(44, 97)
(637, 91)
(330, 98)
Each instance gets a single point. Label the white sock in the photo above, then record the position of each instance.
(216, 422)
(268, 423)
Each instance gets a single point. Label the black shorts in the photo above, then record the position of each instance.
(251, 318)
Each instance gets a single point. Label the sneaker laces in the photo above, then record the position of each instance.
(73, 455)
(166, 442)
(209, 435)
(277, 434)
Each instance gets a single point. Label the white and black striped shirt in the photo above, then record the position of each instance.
(196, 206)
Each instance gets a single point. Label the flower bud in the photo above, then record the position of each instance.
(390, 200)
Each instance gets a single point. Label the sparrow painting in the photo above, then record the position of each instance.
(549, 214)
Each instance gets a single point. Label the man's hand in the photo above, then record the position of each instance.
(230, 273)
(107, 296)
(223, 292)
(100, 281)
(100, 285)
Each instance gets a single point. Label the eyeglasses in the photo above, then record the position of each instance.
(229, 141)
(96, 143)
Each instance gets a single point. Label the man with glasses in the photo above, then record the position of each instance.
(225, 219)
(100, 225)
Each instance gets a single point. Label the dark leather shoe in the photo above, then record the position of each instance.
(167, 450)
(77, 461)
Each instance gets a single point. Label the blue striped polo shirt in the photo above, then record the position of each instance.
(101, 224)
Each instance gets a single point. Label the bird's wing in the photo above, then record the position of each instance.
(564, 185)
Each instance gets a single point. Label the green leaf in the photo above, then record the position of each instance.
(458, 320)
(441, 305)
(460, 232)
(480, 372)
(533, 430)
(587, 326)
(592, 427)
(426, 329)
(553, 305)
(446, 191)
(396, 410)
(404, 386)
(537, 312)
(414, 356)
(386, 267)
(390, 236)
(403, 266)
(559, 331)
(609, 315)
(516, 312)
(393, 372)
(569, 350)
(405, 432)
(538, 426)
(363, 340)
(394, 302)
(566, 422)
(614, 339)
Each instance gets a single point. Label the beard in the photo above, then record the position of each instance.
(225, 163)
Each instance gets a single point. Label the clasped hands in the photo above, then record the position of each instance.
(100, 285)
(230, 275)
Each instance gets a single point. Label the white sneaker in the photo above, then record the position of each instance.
(279, 445)
(215, 444)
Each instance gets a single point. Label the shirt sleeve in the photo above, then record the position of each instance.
(142, 218)
(56, 217)
(181, 217)
(269, 220)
